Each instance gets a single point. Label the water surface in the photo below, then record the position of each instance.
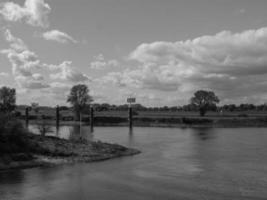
(175, 164)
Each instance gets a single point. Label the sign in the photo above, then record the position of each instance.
(130, 100)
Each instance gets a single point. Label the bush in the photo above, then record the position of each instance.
(243, 115)
(196, 120)
(110, 119)
(12, 135)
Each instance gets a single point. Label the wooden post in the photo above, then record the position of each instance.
(27, 116)
(130, 118)
(92, 119)
(57, 116)
(130, 100)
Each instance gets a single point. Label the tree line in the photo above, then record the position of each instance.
(80, 102)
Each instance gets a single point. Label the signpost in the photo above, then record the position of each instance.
(130, 101)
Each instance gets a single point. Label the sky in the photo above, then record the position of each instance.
(158, 51)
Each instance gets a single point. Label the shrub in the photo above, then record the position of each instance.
(12, 135)
(196, 121)
(243, 115)
(110, 119)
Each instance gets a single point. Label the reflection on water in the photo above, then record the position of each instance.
(78, 132)
(175, 163)
(57, 130)
(204, 133)
(74, 133)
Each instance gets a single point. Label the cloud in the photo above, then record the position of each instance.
(34, 12)
(59, 91)
(226, 52)
(100, 63)
(32, 82)
(23, 62)
(67, 73)
(58, 36)
(22, 59)
(4, 74)
(38, 77)
(232, 64)
(145, 77)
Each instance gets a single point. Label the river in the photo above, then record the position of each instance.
(175, 163)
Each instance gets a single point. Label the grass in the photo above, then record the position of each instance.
(51, 113)
(162, 118)
(20, 148)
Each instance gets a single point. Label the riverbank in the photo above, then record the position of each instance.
(178, 122)
(49, 151)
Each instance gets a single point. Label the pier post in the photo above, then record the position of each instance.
(57, 119)
(130, 100)
(92, 119)
(130, 118)
(27, 117)
(57, 116)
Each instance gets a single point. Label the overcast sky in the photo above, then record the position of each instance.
(159, 51)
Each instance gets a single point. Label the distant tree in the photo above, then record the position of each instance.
(231, 107)
(204, 101)
(7, 99)
(63, 108)
(35, 107)
(79, 98)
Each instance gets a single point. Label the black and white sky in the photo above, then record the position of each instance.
(159, 51)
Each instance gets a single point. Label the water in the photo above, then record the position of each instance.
(174, 164)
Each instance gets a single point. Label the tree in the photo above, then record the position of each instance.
(204, 101)
(35, 108)
(79, 98)
(7, 99)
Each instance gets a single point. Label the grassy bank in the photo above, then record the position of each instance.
(21, 149)
(156, 118)
(209, 121)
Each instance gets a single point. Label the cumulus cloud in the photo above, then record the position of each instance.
(147, 76)
(226, 52)
(4, 74)
(232, 64)
(58, 36)
(100, 63)
(59, 91)
(22, 59)
(67, 73)
(34, 12)
(32, 82)
(23, 62)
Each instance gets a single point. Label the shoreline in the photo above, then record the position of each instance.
(49, 161)
(181, 122)
(51, 151)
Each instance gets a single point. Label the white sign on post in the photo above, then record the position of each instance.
(131, 100)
